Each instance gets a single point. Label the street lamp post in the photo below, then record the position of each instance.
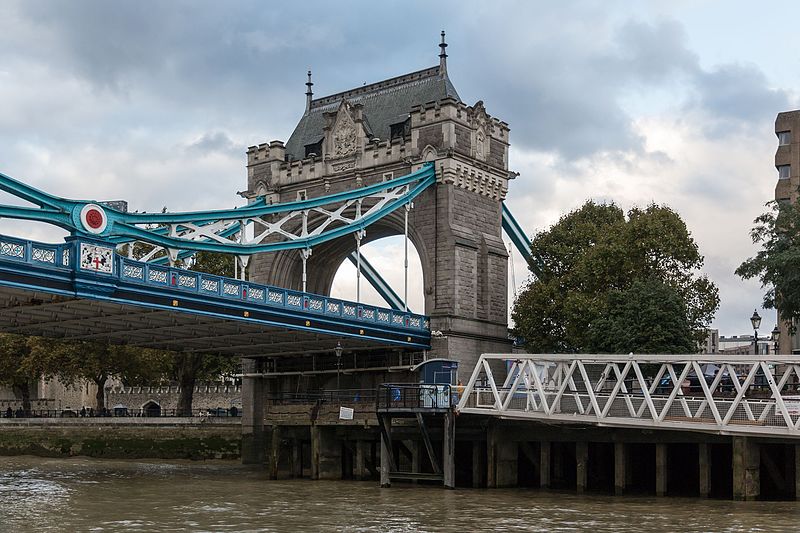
(338, 351)
(776, 338)
(755, 320)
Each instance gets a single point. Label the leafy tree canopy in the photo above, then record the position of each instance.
(22, 363)
(777, 264)
(584, 264)
(648, 317)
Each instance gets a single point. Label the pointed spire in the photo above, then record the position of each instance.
(443, 57)
(309, 92)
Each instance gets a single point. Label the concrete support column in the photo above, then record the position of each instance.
(620, 460)
(326, 453)
(297, 458)
(501, 458)
(449, 450)
(581, 465)
(746, 469)
(477, 464)
(386, 462)
(661, 469)
(544, 464)
(274, 452)
(253, 437)
(360, 467)
(704, 464)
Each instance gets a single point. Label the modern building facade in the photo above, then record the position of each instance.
(787, 163)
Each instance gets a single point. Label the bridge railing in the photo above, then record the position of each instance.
(332, 396)
(124, 270)
(120, 412)
(255, 293)
(413, 397)
(38, 253)
(712, 393)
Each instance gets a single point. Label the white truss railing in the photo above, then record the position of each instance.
(729, 394)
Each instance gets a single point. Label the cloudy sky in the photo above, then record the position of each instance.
(156, 102)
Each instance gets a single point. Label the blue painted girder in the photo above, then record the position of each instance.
(65, 213)
(44, 268)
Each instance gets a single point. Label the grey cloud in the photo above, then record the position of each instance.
(652, 53)
(557, 79)
(217, 141)
(711, 188)
(738, 93)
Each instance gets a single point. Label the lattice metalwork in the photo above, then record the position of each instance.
(730, 394)
(294, 225)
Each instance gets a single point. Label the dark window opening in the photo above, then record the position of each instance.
(400, 129)
(314, 149)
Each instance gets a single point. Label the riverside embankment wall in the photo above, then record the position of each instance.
(123, 438)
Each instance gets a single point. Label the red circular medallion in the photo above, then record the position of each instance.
(94, 218)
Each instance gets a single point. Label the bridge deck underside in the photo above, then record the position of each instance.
(40, 313)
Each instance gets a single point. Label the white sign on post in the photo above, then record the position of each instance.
(345, 413)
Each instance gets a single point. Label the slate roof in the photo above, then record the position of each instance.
(385, 103)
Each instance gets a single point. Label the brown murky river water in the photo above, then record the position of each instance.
(98, 495)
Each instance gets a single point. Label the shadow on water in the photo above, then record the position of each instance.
(100, 495)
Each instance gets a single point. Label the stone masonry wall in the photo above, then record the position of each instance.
(121, 439)
(205, 397)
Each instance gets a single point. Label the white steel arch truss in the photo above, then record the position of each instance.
(309, 222)
(733, 394)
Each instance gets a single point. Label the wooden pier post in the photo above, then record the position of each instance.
(386, 450)
(661, 469)
(797, 471)
(544, 464)
(449, 450)
(746, 469)
(620, 477)
(704, 464)
(315, 451)
(274, 452)
(581, 465)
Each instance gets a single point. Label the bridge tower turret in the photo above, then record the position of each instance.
(386, 130)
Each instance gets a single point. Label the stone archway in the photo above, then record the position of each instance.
(386, 256)
(151, 408)
(285, 268)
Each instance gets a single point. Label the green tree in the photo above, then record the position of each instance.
(596, 251)
(648, 317)
(189, 367)
(98, 362)
(186, 368)
(777, 264)
(22, 364)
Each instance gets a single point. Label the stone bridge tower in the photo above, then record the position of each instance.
(388, 129)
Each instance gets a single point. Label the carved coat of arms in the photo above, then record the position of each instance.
(97, 258)
(344, 133)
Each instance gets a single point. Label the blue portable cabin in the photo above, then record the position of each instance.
(437, 372)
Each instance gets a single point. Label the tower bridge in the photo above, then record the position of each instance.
(404, 156)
